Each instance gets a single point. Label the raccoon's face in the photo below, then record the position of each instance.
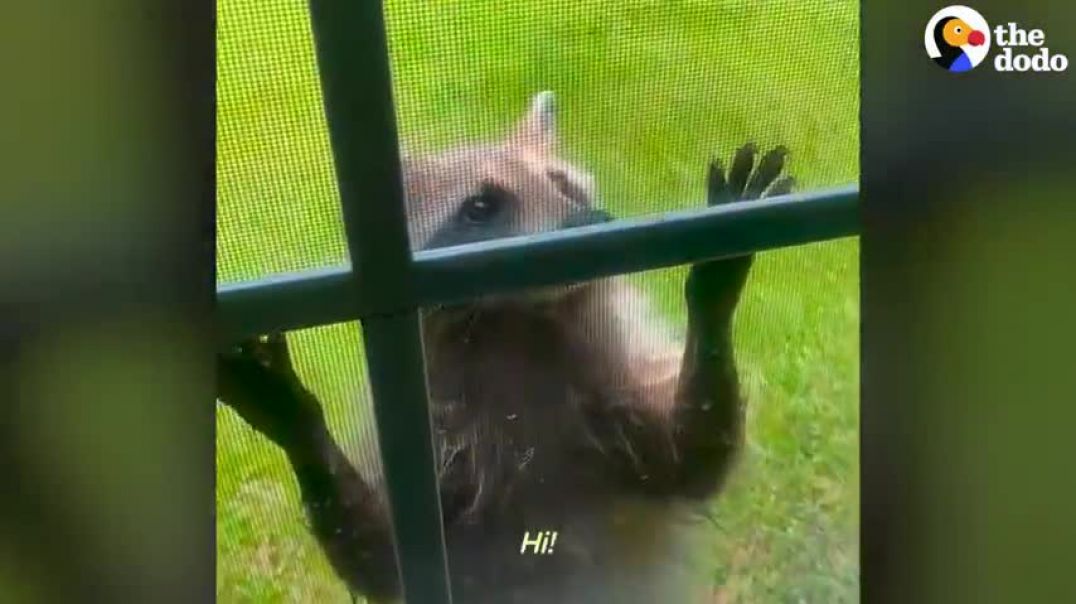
(517, 186)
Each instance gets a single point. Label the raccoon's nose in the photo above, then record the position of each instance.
(586, 217)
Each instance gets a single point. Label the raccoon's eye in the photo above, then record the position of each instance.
(481, 208)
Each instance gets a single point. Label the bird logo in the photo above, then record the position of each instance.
(957, 38)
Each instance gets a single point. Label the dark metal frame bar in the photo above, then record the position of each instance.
(353, 63)
(318, 297)
(385, 285)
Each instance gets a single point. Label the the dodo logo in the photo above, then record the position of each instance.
(957, 38)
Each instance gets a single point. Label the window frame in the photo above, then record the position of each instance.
(384, 286)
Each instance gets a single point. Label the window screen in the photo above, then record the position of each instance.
(646, 93)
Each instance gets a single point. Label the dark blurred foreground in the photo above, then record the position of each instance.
(968, 293)
(106, 284)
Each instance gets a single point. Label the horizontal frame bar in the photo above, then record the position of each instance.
(632, 245)
(285, 302)
(324, 296)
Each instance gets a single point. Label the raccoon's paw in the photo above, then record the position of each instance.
(715, 286)
(257, 380)
(269, 351)
(745, 181)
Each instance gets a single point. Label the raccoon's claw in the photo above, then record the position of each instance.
(746, 182)
(717, 188)
(769, 167)
(783, 186)
(742, 164)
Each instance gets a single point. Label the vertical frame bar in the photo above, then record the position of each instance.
(398, 384)
(353, 63)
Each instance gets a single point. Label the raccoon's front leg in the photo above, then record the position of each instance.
(257, 380)
(679, 438)
(708, 420)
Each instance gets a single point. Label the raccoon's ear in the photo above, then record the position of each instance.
(538, 129)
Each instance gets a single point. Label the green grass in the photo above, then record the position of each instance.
(648, 90)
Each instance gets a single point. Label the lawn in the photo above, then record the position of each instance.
(648, 90)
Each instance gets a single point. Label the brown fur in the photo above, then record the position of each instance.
(570, 409)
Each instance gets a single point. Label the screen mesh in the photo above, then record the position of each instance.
(647, 92)
(277, 202)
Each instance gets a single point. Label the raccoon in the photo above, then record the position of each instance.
(569, 409)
